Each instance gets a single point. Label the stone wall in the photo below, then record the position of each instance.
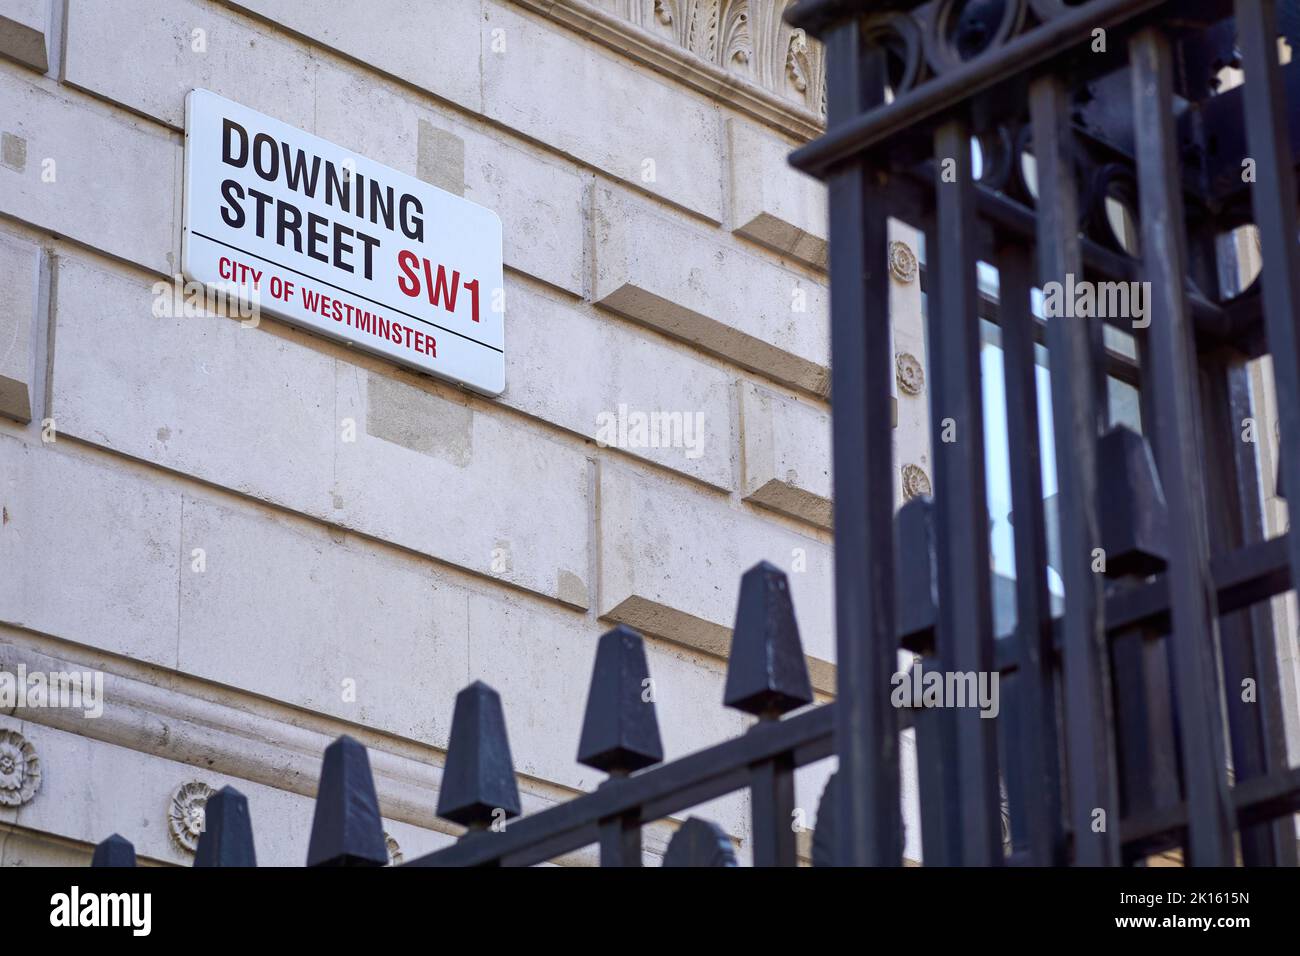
(264, 539)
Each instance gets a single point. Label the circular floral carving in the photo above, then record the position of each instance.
(902, 261)
(186, 815)
(915, 481)
(20, 769)
(911, 377)
(394, 851)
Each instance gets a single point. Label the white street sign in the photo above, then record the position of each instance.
(342, 245)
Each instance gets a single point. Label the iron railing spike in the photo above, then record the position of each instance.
(478, 781)
(347, 829)
(116, 851)
(766, 671)
(227, 837)
(620, 732)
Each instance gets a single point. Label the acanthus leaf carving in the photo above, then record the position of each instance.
(746, 37)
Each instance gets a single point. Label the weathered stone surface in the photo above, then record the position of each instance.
(338, 626)
(20, 263)
(379, 33)
(75, 808)
(272, 417)
(97, 178)
(684, 281)
(89, 551)
(641, 128)
(771, 202)
(235, 521)
(183, 45)
(787, 454)
(202, 395)
(25, 32)
(519, 511)
(441, 158)
(671, 563)
(618, 367)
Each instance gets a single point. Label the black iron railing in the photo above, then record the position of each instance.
(767, 676)
(1113, 713)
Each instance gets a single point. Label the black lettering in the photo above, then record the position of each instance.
(262, 200)
(284, 212)
(295, 171)
(232, 192)
(369, 242)
(412, 224)
(316, 235)
(341, 247)
(337, 187)
(381, 204)
(229, 126)
(271, 171)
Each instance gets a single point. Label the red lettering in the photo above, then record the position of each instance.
(440, 293)
(406, 261)
(472, 285)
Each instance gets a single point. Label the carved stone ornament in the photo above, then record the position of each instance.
(744, 37)
(186, 813)
(394, 851)
(915, 482)
(902, 261)
(911, 376)
(20, 769)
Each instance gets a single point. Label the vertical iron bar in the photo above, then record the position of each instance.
(1273, 198)
(936, 769)
(1192, 597)
(772, 804)
(965, 632)
(1255, 726)
(1089, 746)
(620, 841)
(1145, 741)
(1036, 745)
(866, 730)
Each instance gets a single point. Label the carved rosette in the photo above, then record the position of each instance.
(915, 482)
(902, 261)
(185, 816)
(911, 376)
(20, 769)
(394, 851)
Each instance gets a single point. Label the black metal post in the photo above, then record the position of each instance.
(1094, 797)
(1193, 605)
(866, 730)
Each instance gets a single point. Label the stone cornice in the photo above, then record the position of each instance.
(159, 717)
(739, 51)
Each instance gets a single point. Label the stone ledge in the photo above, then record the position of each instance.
(233, 741)
(24, 32)
(667, 58)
